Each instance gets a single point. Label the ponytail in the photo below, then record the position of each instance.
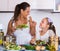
(52, 27)
(16, 12)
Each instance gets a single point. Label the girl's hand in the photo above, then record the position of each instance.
(32, 41)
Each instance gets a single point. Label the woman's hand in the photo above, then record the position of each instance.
(32, 26)
(32, 23)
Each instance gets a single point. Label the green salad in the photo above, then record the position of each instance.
(13, 47)
(29, 47)
(22, 26)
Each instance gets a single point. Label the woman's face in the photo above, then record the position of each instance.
(26, 12)
(44, 23)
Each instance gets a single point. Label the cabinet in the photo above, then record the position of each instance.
(35, 4)
(45, 4)
(57, 6)
(4, 5)
(13, 3)
(9, 5)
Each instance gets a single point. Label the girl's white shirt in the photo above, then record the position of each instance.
(46, 36)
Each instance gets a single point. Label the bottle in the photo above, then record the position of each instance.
(10, 38)
(56, 42)
(59, 40)
(52, 43)
(51, 40)
(7, 38)
(1, 36)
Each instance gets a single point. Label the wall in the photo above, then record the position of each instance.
(36, 15)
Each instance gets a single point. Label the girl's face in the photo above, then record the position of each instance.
(44, 24)
(26, 12)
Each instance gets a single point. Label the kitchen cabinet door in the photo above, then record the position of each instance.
(45, 4)
(13, 3)
(9, 5)
(57, 6)
(3, 5)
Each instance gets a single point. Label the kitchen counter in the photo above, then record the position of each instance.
(3, 49)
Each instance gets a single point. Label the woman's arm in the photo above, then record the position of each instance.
(10, 28)
(32, 27)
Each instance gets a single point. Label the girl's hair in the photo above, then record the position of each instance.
(18, 8)
(51, 26)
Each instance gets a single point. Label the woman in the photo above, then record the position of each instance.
(47, 29)
(23, 35)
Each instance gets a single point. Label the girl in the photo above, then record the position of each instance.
(47, 29)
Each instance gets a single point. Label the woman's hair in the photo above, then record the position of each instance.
(18, 8)
(51, 26)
